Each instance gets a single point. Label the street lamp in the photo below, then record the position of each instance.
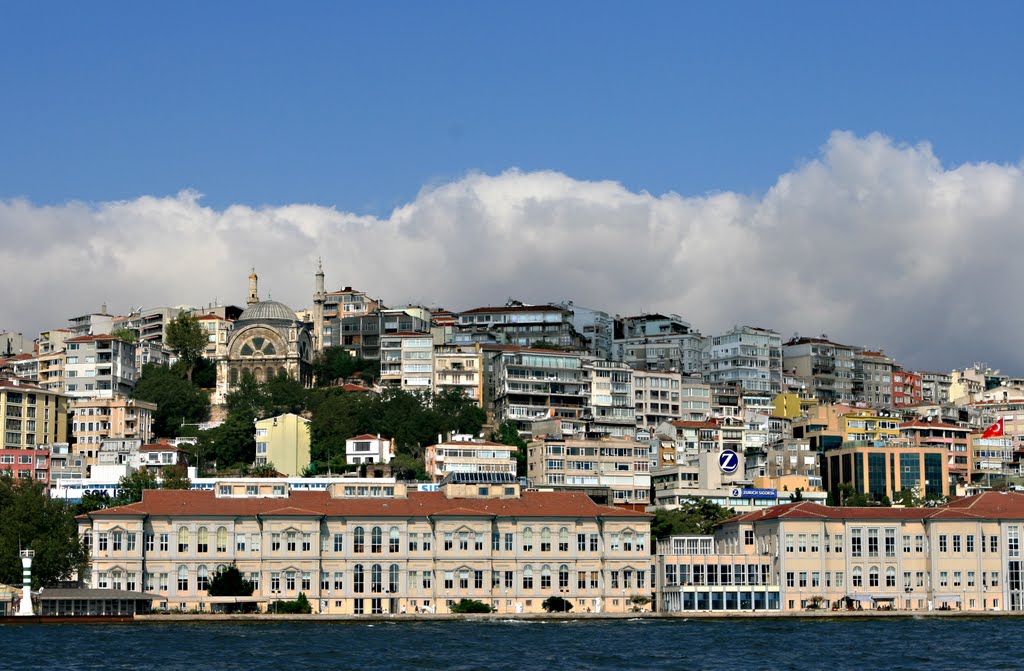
(275, 593)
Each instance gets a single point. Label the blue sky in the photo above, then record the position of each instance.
(360, 106)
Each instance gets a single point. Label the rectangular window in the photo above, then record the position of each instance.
(890, 542)
(509, 542)
(241, 543)
(970, 543)
(855, 543)
(164, 542)
(956, 543)
(872, 542)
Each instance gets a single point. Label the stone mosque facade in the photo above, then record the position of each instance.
(267, 339)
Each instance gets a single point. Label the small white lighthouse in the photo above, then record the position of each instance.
(25, 608)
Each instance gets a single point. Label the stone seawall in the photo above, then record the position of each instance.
(555, 617)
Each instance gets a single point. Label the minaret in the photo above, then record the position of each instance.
(253, 295)
(318, 308)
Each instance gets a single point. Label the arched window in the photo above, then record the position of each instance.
(182, 579)
(393, 579)
(527, 539)
(233, 376)
(281, 372)
(358, 540)
(376, 537)
(202, 541)
(202, 578)
(545, 577)
(222, 540)
(545, 540)
(563, 577)
(375, 579)
(563, 539)
(183, 539)
(858, 577)
(393, 539)
(890, 577)
(357, 579)
(873, 577)
(527, 577)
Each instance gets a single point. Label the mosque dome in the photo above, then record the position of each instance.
(267, 311)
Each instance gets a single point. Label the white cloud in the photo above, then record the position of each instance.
(873, 242)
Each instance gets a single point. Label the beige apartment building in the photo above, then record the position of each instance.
(965, 555)
(464, 454)
(459, 368)
(620, 464)
(97, 419)
(403, 552)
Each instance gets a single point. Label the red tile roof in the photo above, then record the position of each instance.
(418, 504)
(92, 338)
(988, 505)
(709, 424)
(367, 436)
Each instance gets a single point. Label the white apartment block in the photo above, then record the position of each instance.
(746, 355)
(99, 366)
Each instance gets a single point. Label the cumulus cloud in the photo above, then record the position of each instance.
(872, 242)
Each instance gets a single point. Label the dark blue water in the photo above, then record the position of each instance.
(733, 645)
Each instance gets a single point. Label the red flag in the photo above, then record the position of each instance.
(995, 430)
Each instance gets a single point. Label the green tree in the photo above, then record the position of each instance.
(31, 520)
(285, 394)
(204, 375)
(187, 338)
(93, 500)
(694, 516)
(131, 486)
(249, 400)
(471, 606)
(175, 477)
(265, 470)
(229, 582)
(508, 434)
(177, 401)
(126, 335)
(407, 467)
(556, 604)
(335, 365)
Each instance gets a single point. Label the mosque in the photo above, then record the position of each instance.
(267, 339)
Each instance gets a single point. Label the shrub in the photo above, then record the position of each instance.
(556, 604)
(471, 606)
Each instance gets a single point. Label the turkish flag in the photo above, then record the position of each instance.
(995, 430)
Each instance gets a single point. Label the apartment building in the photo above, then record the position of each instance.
(466, 454)
(935, 387)
(825, 368)
(52, 359)
(26, 463)
(747, 356)
(348, 304)
(459, 368)
(217, 330)
(595, 326)
(664, 396)
(97, 419)
(907, 388)
(99, 366)
(610, 407)
(591, 460)
(534, 384)
(284, 442)
(407, 361)
(93, 323)
(32, 415)
(519, 324)
(963, 555)
(406, 552)
(658, 342)
(872, 378)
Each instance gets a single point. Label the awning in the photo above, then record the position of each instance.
(948, 599)
(884, 598)
(860, 597)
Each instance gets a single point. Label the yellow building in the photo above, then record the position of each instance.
(32, 415)
(964, 555)
(459, 367)
(284, 442)
(97, 419)
(402, 552)
(791, 406)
